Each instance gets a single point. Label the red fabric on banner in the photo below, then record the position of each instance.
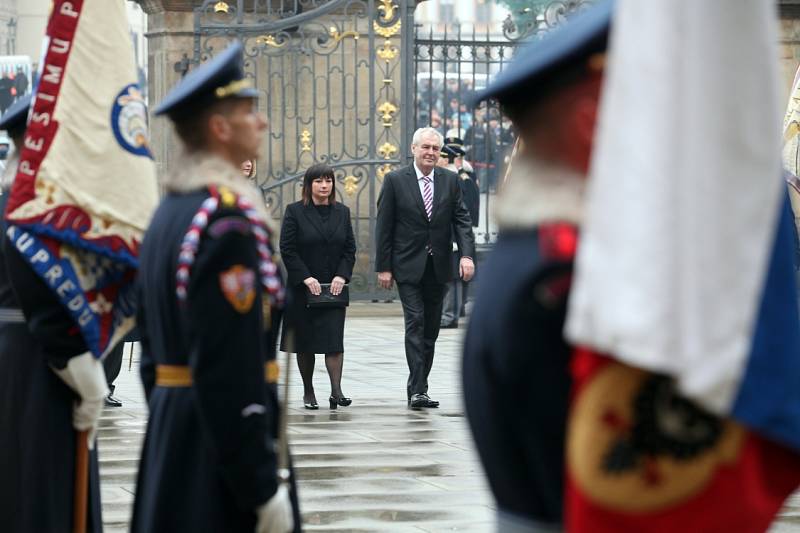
(43, 127)
(742, 494)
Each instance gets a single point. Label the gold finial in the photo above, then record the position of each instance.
(387, 8)
(386, 51)
(350, 185)
(305, 141)
(387, 111)
(387, 150)
(222, 7)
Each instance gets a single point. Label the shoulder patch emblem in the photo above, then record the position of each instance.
(238, 285)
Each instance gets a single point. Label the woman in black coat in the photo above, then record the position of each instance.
(317, 246)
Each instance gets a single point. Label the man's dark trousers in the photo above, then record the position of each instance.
(113, 363)
(422, 311)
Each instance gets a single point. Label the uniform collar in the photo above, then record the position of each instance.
(536, 193)
(198, 171)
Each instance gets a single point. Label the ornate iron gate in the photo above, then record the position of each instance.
(338, 79)
(331, 77)
(451, 65)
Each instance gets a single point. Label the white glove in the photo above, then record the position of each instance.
(275, 516)
(85, 375)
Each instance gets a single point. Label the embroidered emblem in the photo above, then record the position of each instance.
(634, 445)
(129, 121)
(238, 285)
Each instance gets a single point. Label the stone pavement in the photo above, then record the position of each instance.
(373, 466)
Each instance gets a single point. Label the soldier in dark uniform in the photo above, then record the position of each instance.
(209, 311)
(40, 352)
(469, 187)
(452, 152)
(516, 377)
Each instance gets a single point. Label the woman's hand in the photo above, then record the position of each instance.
(313, 286)
(336, 285)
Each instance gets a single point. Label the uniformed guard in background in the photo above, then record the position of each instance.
(516, 377)
(469, 187)
(39, 411)
(451, 158)
(210, 301)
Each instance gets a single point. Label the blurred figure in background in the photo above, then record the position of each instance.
(249, 168)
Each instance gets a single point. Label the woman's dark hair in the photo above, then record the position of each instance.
(320, 170)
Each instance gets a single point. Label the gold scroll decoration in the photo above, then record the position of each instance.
(333, 31)
(387, 31)
(270, 40)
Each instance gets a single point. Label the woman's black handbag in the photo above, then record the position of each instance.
(326, 299)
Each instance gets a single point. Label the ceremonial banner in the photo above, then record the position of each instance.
(687, 229)
(85, 187)
(686, 397)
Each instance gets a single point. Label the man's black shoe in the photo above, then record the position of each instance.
(422, 400)
(111, 401)
(449, 325)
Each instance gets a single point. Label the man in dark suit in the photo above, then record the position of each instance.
(420, 212)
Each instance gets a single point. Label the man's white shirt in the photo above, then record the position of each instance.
(421, 183)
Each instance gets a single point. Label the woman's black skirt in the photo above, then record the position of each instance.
(315, 330)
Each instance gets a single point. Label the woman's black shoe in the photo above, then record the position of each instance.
(343, 401)
(311, 405)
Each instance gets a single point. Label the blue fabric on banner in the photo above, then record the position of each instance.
(769, 395)
(58, 273)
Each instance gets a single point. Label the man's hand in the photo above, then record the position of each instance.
(385, 280)
(466, 268)
(313, 286)
(336, 285)
(275, 516)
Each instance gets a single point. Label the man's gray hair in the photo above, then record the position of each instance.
(417, 138)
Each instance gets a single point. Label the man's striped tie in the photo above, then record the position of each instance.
(427, 195)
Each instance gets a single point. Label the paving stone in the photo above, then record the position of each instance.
(373, 466)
